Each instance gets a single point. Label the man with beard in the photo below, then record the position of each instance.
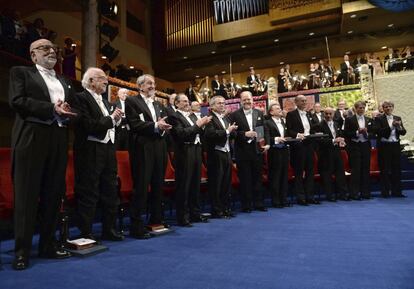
(39, 151)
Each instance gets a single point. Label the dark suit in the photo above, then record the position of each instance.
(148, 153)
(330, 163)
(359, 156)
(190, 93)
(278, 160)
(219, 164)
(188, 166)
(95, 165)
(302, 156)
(121, 135)
(249, 159)
(216, 86)
(39, 156)
(389, 156)
(338, 119)
(344, 73)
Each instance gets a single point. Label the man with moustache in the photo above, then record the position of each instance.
(357, 131)
(330, 160)
(217, 134)
(147, 121)
(249, 157)
(299, 125)
(389, 129)
(187, 131)
(39, 151)
(94, 155)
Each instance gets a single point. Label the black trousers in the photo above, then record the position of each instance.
(39, 185)
(219, 180)
(121, 138)
(331, 164)
(359, 160)
(389, 157)
(250, 177)
(278, 174)
(150, 160)
(188, 178)
(301, 158)
(96, 182)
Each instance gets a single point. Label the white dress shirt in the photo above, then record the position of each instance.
(305, 122)
(249, 117)
(393, 136)
(187, 117)
(110, 133)
(53, 84)
(280, 127)
(332, 129)
(361, 124)
(226, 147)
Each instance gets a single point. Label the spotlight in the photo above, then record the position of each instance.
(108, 9)
(109, 31)
(110, 52)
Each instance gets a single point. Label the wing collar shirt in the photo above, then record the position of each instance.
(54, 87)
(393, 136)
(361, 124)
(226, 147)
(278, 122)
(305, 122)
(110, 133)
(187, 117)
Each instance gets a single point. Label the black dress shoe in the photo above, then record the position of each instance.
(20, 263)
(167, 226)
(246, 210)
(261, 209)
(184, 224)
(112, 235)
(302, 203)
(55, 254)
(314, 202)
(331, 199)
(217, 215)
(198, 219)
(140, 235)
(356, 198)
(399, 196)
(229, 214)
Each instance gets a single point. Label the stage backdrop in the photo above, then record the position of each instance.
(399, 88)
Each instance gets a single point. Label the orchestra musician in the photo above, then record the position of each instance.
(282, 81)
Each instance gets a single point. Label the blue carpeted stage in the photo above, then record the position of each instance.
(352, 245)
(358, 244)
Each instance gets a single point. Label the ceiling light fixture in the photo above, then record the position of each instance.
(213, 52)
(353, 16)
(350, 32)
(390, 25)
(281, 63)
(311, 33)
(243, 46)
(185, 57)
(384, 47)
(276, 40)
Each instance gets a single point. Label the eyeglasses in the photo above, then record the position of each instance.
(46, 48)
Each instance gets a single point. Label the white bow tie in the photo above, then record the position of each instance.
(49, 72)
(149, 100)
(247, 112)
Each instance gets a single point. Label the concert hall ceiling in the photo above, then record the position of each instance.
(267, 39)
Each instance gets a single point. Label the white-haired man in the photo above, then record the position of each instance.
(39, 150)
(148, 153)
(95, 156)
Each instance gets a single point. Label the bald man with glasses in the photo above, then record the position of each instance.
(39, 145)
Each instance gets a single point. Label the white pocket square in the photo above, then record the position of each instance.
(141, 117)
